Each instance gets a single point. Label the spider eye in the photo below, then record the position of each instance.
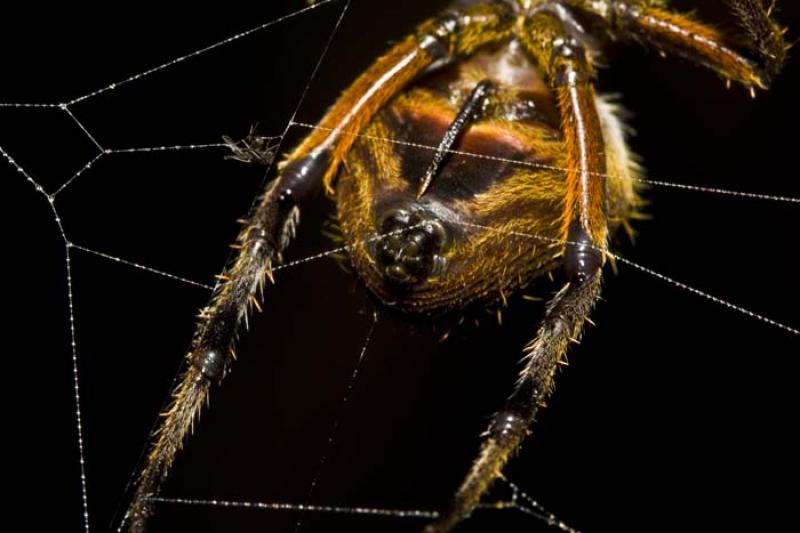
(409, 252)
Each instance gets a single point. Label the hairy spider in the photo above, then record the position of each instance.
(512, 80)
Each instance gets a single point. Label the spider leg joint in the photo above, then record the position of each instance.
(583, 258)
(301, 177)
(507, 425)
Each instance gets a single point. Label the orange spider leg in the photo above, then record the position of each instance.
(435, 41)
(568, 69)
(683, 35)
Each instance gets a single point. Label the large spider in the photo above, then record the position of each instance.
(509, 79)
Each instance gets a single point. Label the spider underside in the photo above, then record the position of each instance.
(511, 80)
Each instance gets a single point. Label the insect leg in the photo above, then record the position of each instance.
(683, 35)
(271, 224)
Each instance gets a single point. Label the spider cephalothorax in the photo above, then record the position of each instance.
(494, 127)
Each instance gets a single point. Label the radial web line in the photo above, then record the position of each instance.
(143, 149)
(649, 271)
(330, 509)
(206, 286)
(706, 295)
(544, 166)
(310, 258)
(77, 389)
(335, 427)
(169, 148)
(143, 267)
(148, 72)
(346, 247)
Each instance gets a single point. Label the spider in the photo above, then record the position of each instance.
(512, 80)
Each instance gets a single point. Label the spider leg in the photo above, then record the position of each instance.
(435, 43)
(566, 66)
(271, 224)
(265, 235)
(698, 42)
(568, 70)
(562, 325)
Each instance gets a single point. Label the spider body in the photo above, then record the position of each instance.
(377, 190)
(483, 123)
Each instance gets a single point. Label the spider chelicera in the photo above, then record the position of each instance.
(511, 80)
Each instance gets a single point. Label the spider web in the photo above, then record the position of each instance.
(140, 206)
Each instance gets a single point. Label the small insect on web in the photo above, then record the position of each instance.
(540, 479)
(252, 149)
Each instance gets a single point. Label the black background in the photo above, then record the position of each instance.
(675, 413)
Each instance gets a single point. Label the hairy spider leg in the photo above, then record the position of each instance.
(271, 223)
(698, 42)
(568, 70)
